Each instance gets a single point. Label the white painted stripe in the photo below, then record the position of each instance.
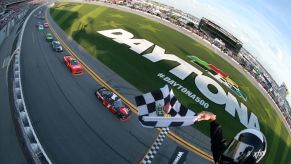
(6, 61)
(18, 51)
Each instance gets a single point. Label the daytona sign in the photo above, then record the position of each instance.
(182, 71)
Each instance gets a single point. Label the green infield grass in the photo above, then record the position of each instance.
(81, 21)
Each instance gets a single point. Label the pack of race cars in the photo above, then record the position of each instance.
(109, 99)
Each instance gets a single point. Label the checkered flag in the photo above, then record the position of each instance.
(160, 108)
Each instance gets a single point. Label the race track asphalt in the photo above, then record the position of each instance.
(71, 124)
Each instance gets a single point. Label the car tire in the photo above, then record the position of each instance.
(118, 115)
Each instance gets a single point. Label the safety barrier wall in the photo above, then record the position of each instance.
(30, 138)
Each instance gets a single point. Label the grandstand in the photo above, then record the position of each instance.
(214, 31)
(9, 9)
(11, 13)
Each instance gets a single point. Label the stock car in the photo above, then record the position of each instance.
(57, 46)
(49, 37)
(37, 24)
(46, 25)
(113, 103)
(40, 27)
(41, 17)
(73, 64)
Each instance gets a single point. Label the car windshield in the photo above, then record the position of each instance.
(118, 103)
(74, 62)
(107, 93)
(49, 35)
(57, 43)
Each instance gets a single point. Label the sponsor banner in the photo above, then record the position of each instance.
(179, 156)
(184, 90)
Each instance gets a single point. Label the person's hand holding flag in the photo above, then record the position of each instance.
(204, 115)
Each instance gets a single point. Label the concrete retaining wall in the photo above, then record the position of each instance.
(27, 130)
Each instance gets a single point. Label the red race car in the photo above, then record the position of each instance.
(112, 102)
(46, 25)
(73, 64)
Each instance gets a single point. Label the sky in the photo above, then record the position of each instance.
(264, 27)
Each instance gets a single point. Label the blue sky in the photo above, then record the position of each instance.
(264, 27)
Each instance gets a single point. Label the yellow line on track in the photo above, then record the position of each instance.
(99, 80)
